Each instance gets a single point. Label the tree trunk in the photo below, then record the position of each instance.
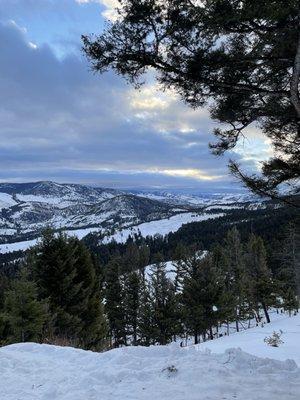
(295, 81)
(266, 311)
(196, 337)
(237, 325)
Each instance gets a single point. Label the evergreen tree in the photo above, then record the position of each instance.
(132, 292)
(144, 258)
(226, 301)
(24, 315)
(201, 50)
(235, 277)
(165, 305)
(289, 258)
(261, 284)
(114, 303)
(63, 270)
(131, 259)
(146, 320)
(200, 296)
(290, 302)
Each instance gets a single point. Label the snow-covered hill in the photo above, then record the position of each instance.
(159, 227)
(27, 208)
(42, 372)
(198, 199)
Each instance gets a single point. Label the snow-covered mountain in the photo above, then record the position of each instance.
(27, 208)
(241, 366)
(197, 198)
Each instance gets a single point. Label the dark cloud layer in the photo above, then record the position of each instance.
(59, 121)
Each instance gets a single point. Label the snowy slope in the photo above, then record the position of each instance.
(6, 201)
(43, 372)
(252, 340)
(26, 209)
(151, 228)
(25, 245)
(198, 199)
(161, 227)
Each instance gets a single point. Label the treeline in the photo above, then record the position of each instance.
(231, 284)
(268, 223)
(63, 295)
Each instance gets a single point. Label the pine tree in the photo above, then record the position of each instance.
(63, 270)
(261, 283)
(226, 301)
(131, 259)
(165, 305)
(201, 50)
(89, 302)
(290, 302)
(235, 276)
(24, 315)
(114, 303)
(200, 296)
(144, 258)
(132, 292)
(146, 327)
(289, 257)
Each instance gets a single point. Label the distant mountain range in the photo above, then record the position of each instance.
(27, 208)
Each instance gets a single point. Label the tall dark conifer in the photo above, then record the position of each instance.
(165, 304)
(114, 303)
(65, 275)
(262, 288)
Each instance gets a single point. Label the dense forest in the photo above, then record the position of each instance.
(226, 272)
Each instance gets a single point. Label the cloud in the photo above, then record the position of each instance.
(190, 173)
(110, 7)
(59, 121)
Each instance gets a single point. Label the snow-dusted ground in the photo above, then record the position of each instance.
(42, 372)
(170, 269)
(162, 226)
(203, 199)
(6, 200)
(10, 247)
(252, 340)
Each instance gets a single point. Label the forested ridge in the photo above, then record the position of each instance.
(227, 271)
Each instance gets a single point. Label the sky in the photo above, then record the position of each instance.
(61, 122)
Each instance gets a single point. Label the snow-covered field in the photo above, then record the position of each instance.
(10, 247)
(162, 226)
(6, 200)
(43, 372)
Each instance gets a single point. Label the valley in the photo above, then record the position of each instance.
(26, 209)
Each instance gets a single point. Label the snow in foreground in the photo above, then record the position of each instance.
(30, 371)
(252, 340)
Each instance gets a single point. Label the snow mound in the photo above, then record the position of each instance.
(252, 340)
(32, 371)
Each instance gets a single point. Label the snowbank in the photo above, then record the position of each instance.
(31, 371)
(252, 340)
